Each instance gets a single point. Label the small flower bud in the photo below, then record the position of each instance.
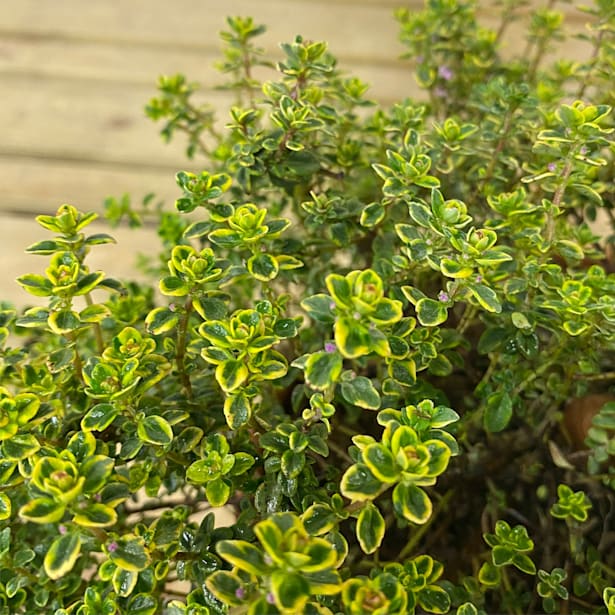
(444, 72)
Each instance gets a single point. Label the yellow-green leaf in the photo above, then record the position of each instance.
(62, 555)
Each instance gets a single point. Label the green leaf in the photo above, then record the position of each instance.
(231, 374)
(99, 417)
(225, 586)
(63, 321)
(96, 469)
(19, 447)
(62, 555)
(88, 282)
(486, 297)
(42, 510)
(44, 247)
(454, 269)
(608, 596)
(285, 328)
(36, 285)
(94, 313)
(520, 321)
(319, 308)
(99, 239)
(210, 308)
(96, 515)
(502, 555)
(243, 462)
(412, 503)
(237, 410)
(361, 392)
(431, 312)
(372, 215)
(5, 506)
(381, 463)
(524, 563)
(339, 289)
(130, 554)
(292, 463)
(322, 369)
(403, 372)
(318, 519)
(142, 604)
(172, 286)
(244, 556)
(489, 574)
(467, 608)
(358, 483)
(370, 528)
(217, 492)
(263, 267)
(154, 429)
(498, 412)
(225, 238)
(290, 590)
(124, 581)
(324, 582)
(161, 320)
(352, 338)
(575, 327)
(34, 317)
(434, 599)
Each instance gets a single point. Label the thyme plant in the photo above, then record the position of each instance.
(382, 337)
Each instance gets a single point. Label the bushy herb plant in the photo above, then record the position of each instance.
(363, 334)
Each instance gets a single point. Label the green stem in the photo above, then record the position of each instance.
(180, 355)
(557, 198)
(467, 318)
(100, 344)
(508, 587)
(77, 363)
(596, 377)
(592, 62)
(421, 531)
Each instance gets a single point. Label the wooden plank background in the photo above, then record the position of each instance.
(75, 76)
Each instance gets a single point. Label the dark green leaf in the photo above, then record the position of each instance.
(155, 430)
(361, 392)
(370, 528)
(498, 412)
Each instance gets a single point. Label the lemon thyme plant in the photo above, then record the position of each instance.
(364, 331)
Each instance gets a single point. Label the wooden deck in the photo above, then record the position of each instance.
(75, 76)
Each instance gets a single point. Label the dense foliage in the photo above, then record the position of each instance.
(383, 339)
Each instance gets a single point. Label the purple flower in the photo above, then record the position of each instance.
(442, 296)
(444, 72)
(62, 529)
(551, 166)
(112, 546)
(330, 347)
(583, 150)
(240, 593)
(270, 599)
(479, 279)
